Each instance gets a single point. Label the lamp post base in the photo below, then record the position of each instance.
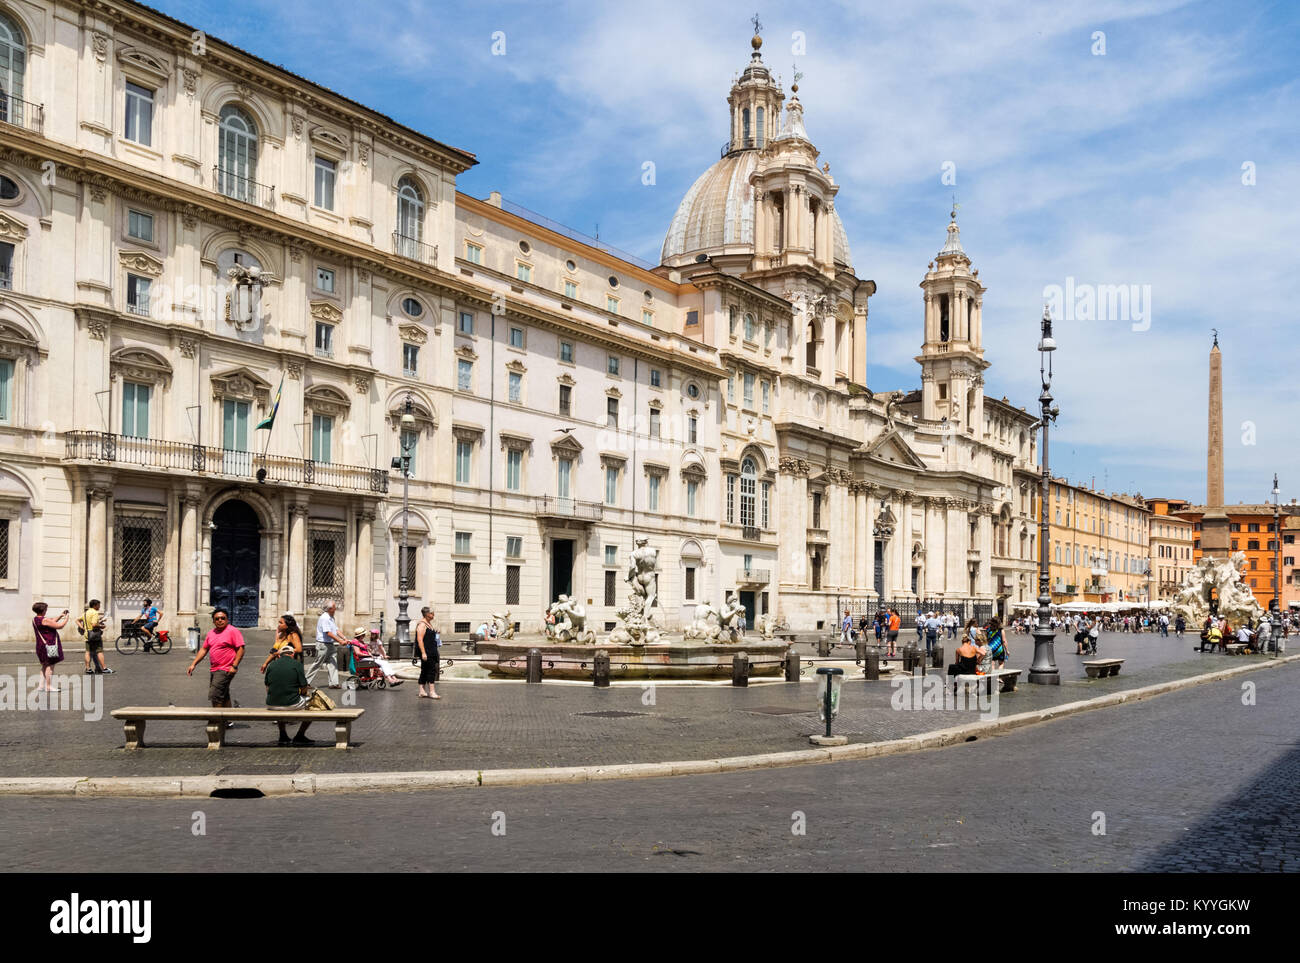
(401, 635)
(1045, 677)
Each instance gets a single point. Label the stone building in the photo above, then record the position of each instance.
(1100, 545)
(1171, 547)
(1251, 532)
(225, 286)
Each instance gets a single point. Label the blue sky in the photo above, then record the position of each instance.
(1122, 167)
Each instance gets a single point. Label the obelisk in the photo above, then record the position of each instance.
(1215, 538)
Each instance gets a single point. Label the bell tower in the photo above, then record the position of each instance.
(755, 102)
(952, 353)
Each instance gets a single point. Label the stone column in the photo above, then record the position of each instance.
(861, 541)
(985, 582)
(872, 506)
(297, 600)
(903, 534)
(97, 543)
(365, 587)
(191, 560)
(956, 582)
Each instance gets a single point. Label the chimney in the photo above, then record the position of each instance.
(494, 199)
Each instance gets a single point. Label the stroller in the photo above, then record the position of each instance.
(366, 662)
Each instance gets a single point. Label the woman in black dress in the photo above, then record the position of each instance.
(426, 647)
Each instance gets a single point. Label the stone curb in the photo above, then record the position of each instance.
(172, 787)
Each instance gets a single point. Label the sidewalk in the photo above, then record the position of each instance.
(497, 725)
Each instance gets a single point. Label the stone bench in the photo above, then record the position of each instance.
(1234, 648)
(134, 719)
(1007, 679)
(1100, 668)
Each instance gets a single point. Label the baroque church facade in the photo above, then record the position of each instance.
(196, 244)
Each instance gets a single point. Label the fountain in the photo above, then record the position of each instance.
(1214, 586)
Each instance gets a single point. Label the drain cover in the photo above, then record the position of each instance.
(778, 710)
(284, 769)
(611, 714)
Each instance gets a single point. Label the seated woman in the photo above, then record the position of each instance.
(366, 646)
(969, 655)
(288, 634)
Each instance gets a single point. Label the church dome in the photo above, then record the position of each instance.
(718, 213)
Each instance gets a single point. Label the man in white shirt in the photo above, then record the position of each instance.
(327, 636)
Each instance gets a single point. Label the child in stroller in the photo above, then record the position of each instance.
(369, 667)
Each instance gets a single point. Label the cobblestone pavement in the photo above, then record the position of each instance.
(1194, 781)
(486, 725)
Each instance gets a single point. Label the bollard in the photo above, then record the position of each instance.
(600, 670)
(823, 647)
(937, 661)
(534, 665)
(828, 704)
(873, 665)
(791, 665)
(860, 651)
(909, 658)
(740, 670)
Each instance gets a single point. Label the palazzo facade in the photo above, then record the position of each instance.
(222, 287)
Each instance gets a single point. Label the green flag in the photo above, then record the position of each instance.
(269, 420)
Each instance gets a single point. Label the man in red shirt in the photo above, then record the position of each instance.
(224, 647)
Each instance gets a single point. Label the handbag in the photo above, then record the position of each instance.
(319, 702)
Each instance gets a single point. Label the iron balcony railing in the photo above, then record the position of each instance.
(569, 508)
(751, 533)
(755, 576)
(242, 188)
(743, 143)
(414, 249)
(21, 113)
(107, 446)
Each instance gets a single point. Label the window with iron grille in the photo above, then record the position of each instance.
(138, 542)
(462, 583)
(325, 571)
(611, 587)
(512, 584)
(4, 549)
(412, 555)
(690, 583)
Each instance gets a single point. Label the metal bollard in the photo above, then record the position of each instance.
(792, 665)
(740, 670)
(873, 665)
(909, 658)
(860, 651)
(823, 647)
(534, 665)
(600, 670)
(937, 661)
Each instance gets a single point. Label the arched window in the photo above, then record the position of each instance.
(751, 331)
(410, 210)
(13, 67)
(748, 492)
(237, 154)
(744, 115)
(759, 114)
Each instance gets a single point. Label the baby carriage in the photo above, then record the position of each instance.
(366, 662)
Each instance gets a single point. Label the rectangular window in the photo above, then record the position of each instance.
(654, 422)
(611, 486)
(325, 280)
(139, 114)
(749, 390)
(6, 266)
(611, 555)
(652, 492)
(139, 225)
(692, 430)
(611, 412)
(514, 469)
(692, 318)
(136, 560)
(473, 253)
(767, 492)
(563, 472)
(514, 546)
(234, 425)
(524, 272)
(817, 510)
(692, 491)
(731, 499)
(464, 375)
(690, 583)
(466, 323)
(462, 583)
(463, 452)
(6, 391)
(135, 409)
(408, 573)
(611, 588)
(766, 388)
(326, 171)
(322, 428)
(411, 360)
(516, 387)
(731, 387)
(611, 304)
(137, 294)
(516, 337)
(656, 379)
(566, 352)
(463, 543)
(512, 584)
(324, 340)
(570, 290)
(612, 365)
(647, 317)
(566, 399)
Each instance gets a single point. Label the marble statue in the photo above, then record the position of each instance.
(718, 625)
(567, 622)
(636, 617)
(504, 625)
(1214, 586)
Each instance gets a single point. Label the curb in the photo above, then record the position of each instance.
(173, 787)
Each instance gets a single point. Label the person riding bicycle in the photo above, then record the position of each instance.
(148, 621)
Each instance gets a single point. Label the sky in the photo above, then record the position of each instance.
(1153, 144)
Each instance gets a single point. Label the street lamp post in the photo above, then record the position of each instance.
(403, 633)
(1043, 671)
(1276, 621)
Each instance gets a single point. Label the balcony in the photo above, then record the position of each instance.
(751, 533)
(819, 536)
(743, 143)
(244, 189)
(104, 447)
(414, 250)
(568, 509)
(754, 576)
(20, 113)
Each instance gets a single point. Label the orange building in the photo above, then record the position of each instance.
(1251, 531)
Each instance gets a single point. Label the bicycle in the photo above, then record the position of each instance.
(132, 637)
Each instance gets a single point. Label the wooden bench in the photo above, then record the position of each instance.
(1100, 668)
(134, 719)
(1007, 679)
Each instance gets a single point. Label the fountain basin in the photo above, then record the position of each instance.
(661, 660)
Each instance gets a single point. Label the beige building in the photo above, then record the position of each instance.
(1099, 545)
(235, 243)
(1172, 544)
